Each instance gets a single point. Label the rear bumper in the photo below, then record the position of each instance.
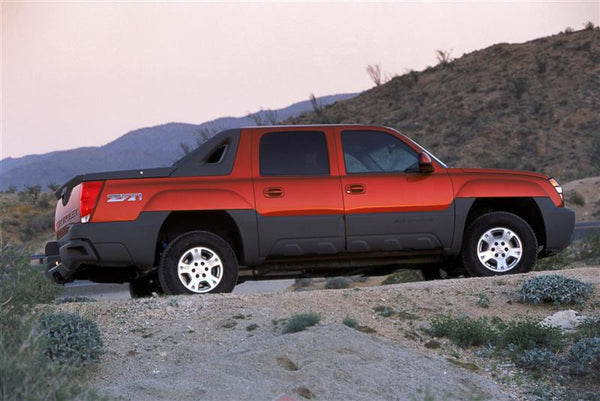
(90, 245)
(559, 223)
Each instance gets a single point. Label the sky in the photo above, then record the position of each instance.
(84, 73)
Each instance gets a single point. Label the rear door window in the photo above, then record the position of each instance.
(293, 153)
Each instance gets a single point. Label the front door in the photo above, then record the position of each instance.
(389, 204)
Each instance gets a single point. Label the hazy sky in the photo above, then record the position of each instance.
(84, 73)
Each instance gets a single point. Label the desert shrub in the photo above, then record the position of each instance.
(444, 57)
(589, 25)
(589, 250)
(302, 282)
(526, 334)
(483, 300)
(334, 283)
(24, 373)
(536, 359)
(350, 322)
(301, 322)
(22, 286)
(71, 338)
(402, 276)
(541, 63)
(575, 197)
(584, 356)
(555, 288)
(517, 86)
(384, 311)
(559, 261)
(359, 279)
(78, 298)
(568, 30)
(588, 329)
(463, 331)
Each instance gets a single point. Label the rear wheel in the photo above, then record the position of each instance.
(499, 243)
(198, 262)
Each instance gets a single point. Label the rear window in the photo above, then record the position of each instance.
(293, 153)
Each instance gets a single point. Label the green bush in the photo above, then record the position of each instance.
(584, 356)
(71, 338)
(527, 334)
(384, 311)
(402, 276)
(21, 286)
(588, 329)
(350, 322)
(302, 282)
(334, 283)
(484, 300)
(24, 373)
(463, 331)
(536, 359)
(575, 197)
(555, 288)
(301, 322)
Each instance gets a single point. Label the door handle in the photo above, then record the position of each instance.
(355, 189)
(273, 192)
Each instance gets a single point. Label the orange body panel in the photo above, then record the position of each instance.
(478, 183)
(244, 188)
(232, 192)
(302, 196)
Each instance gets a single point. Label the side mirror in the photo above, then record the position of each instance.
(425, 163)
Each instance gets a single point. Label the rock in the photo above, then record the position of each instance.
(567, 320)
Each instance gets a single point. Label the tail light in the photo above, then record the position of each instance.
(90, 191)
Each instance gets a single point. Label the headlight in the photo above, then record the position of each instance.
(557, 186)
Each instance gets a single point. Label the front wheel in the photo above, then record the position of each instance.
(499, 243)
(198, 262)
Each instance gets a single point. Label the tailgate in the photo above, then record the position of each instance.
(67, 210)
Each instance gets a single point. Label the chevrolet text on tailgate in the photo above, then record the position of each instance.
(297, 201)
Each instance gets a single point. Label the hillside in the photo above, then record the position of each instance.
(157, 146)
(531, 106)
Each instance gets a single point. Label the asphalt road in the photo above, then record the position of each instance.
(121, 291)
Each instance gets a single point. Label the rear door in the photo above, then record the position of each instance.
(389, 204)
(297, 191)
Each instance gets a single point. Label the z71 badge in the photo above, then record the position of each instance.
(124, 197)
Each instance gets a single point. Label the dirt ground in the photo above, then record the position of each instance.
(231, 347)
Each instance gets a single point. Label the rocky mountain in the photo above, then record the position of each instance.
(531, 106)
(157, 146)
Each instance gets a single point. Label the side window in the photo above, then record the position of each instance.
(376, 152)
(293, 153)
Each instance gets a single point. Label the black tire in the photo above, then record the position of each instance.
(144, 287)
(196, 247)
(514, 226)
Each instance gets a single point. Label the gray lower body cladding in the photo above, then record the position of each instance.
(559, 224)
(291, 238)
(113, 244)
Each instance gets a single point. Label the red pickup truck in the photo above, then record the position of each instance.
(296, 201)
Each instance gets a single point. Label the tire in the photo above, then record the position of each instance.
(144, 287)
(198, 262)
(499, 243)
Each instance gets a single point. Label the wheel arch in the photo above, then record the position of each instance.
(219, 222)
(525, 208)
